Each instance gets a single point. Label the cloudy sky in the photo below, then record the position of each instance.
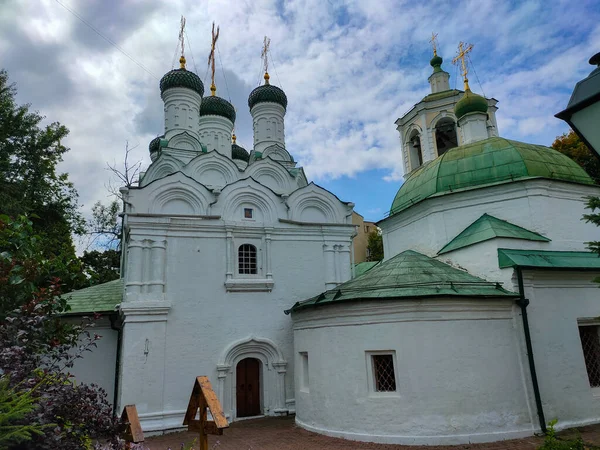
(349, 69)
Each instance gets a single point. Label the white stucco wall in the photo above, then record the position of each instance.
(99, 365)
(558, 300)
(460, 374)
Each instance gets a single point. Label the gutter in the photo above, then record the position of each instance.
(523, 303)
(116, 325)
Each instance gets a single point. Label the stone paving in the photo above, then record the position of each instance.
(282, 434)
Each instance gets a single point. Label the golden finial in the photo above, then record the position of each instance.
(433, 42)
(181, 40)
(233, 138)
(211, 59)
(265, 57)
(462, 53)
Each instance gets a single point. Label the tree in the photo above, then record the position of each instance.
(30, 183)
(375, 246)
(570, 145)
(101, 267)
(37, 347)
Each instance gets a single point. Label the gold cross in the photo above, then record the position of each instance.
(211, 59)
(433, 42)
(462, 52)
(265, 57)
(181, 39)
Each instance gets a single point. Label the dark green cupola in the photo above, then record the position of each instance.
(238, 152)
(267, 93)
(181, 78)
(217, 106)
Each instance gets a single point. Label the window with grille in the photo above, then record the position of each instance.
(383, 373)
(590, 342)
(247, 259)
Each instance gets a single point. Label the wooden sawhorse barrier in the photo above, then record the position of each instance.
(131, 428)
(204, 397)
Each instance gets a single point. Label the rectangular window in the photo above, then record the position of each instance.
(384, 375)
(590, 342)
(247, 213)
(304, 372)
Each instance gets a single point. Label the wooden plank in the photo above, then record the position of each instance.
(210, 427)
(192, 408)
(212, 402)
(195, 426)
(133, 431)
(203, 441)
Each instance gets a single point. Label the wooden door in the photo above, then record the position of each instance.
(248, 387)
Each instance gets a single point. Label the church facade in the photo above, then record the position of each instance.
(480, 324)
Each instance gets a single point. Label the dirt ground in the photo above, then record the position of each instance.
(282, 434)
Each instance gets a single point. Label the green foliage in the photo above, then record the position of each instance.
(101, 267)
(15, 406)
(593, 204)
(375, 246)
(552, 442)
(30, 184)
(105, 225)
(570, 145)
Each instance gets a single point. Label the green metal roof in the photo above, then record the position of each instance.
(363, 267)
(483, 163)
(489, 227)
(100, 298)
(544, 259)
(238, 152)
(408, 275)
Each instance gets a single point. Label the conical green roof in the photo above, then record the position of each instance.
(407, 275)
(486, 162)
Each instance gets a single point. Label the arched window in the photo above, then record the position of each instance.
(445, 135)
(415, 152)
(247, 259)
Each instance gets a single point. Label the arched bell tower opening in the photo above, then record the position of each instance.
(445, 135)
(415, 151)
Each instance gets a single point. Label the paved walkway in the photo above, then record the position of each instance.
(282, 434)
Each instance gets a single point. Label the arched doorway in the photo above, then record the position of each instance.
(247, 375)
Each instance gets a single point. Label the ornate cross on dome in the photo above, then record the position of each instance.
(181, 40)
(211, 59)
(460, 56)
(265, 57)
(433, 42)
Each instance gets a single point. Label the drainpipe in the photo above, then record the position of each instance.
(115, 325)
(523, 302)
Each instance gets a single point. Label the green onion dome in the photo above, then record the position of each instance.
(436, 61)
(267, 93)
(238, 152)
(470, 103)
(155, 144)
(217, 106)
(181, 78)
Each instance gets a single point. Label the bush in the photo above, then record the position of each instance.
(551, 442)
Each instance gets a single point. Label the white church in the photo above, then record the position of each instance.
(482, 323)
